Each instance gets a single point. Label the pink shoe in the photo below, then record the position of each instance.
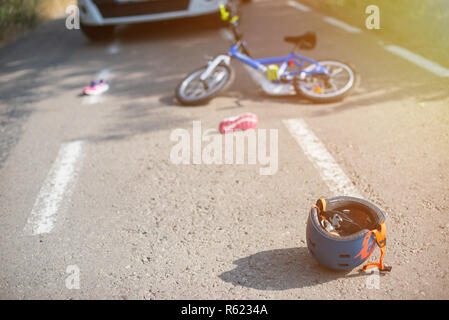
(96, 88)
(242, 122)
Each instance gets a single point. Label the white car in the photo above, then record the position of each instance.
(98, 17)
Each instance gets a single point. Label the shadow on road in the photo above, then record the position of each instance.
(281, 269)
(52, 61)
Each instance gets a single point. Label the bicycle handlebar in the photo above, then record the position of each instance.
(228, 13)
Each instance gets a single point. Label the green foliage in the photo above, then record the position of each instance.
(421, 25)
(397, 14)
(21, 14)
(17, 16)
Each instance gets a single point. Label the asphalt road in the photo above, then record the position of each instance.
(137, 226)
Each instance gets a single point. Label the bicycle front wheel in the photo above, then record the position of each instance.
(192, 91)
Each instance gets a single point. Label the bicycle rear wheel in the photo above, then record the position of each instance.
(325, 89)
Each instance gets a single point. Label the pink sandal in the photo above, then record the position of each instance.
(96, 88)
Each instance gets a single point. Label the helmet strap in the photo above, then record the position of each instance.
(381, 241)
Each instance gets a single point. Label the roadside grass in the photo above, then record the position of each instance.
(422, 26)
(19, 16)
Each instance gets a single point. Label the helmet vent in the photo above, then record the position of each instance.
(343, 265)
(346, 256)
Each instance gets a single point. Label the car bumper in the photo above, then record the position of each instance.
(112, 12)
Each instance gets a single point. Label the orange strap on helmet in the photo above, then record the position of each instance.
(322, 202)
(322, 209)
(381, 240)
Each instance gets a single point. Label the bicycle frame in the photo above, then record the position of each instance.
(260, 64)
(239, 52)
(291, 59)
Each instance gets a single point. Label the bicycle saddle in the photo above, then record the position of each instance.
(304, 41)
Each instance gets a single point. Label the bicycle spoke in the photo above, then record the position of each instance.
(195, 89)
(332, 84)
(336, 71)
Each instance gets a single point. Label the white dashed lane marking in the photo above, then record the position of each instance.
(55, 189)
(316, 152)
(420, 61)
(342, 25)
(298, 6)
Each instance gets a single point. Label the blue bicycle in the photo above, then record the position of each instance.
(319, 81)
